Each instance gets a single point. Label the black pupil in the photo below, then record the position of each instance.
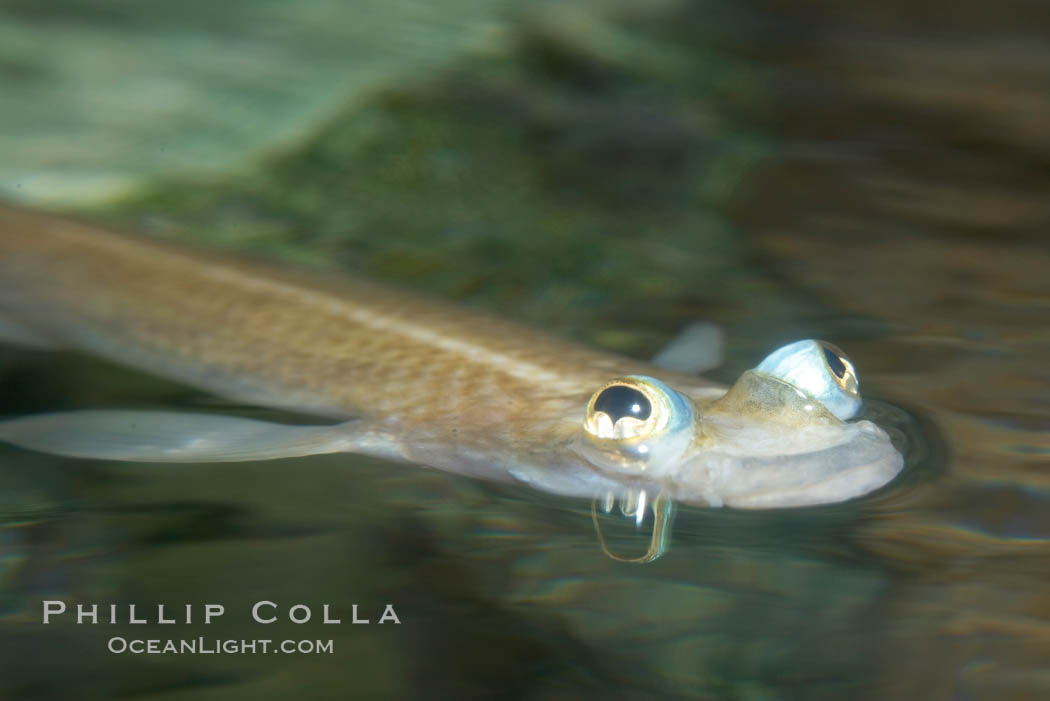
(835, 363)
(619, 401)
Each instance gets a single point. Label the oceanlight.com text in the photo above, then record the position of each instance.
(214, 646)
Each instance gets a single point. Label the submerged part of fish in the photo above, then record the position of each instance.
(423, 382)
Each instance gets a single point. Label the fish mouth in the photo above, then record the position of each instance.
(863, 461)
(840, 486)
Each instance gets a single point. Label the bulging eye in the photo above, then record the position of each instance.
(626, 408)
(619, 401)
(819, 369)
(841, 368)
(636, 421)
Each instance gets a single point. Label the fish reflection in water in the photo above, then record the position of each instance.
(414, 380)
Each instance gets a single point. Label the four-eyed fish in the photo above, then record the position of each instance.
(414, 380)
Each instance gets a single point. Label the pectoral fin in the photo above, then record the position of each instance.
(163, 436)
(18, 334)
(699, 347)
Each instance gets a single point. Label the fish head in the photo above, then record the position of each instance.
(781, 436)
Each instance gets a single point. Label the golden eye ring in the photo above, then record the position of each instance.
(625, 408)
(841, 368)
(818, 369)
(637, 423)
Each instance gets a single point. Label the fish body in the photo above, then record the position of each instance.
(411, 378)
